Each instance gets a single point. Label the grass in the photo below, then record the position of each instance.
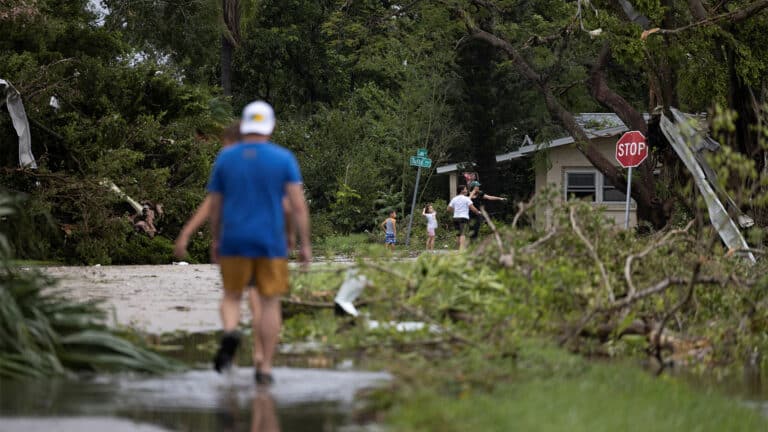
(577, 396)
(35, 263)
(372, 244)
(348, 245)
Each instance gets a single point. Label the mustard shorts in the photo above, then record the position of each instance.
(270, 275)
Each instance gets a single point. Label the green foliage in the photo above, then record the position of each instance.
(185, 32)
(43, 333)
(358, 87)
(739, 175)
(351, 245)
(480, 363)
(346, 209)
(125, 118)
(544, 283)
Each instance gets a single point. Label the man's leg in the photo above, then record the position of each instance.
(258, 348)
(477, 222)
(271, 320)
(463, 225)
(235, 273)
(230, 310)
(272, 283)
(230, 340)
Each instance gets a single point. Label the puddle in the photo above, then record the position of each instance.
(198, 400)
(197, 349)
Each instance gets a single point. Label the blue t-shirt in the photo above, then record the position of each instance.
(251, 178)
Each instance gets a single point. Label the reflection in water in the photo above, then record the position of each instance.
(263, 415)
(301, 400)
(231, 417)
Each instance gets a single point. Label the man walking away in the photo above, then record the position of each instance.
(247, 186)
(460, 205)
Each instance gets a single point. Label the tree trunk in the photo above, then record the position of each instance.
(477, 63)
(226, 66)
(657, 212)
(229, 41)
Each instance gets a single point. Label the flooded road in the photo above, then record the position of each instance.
(300, 400)
(182, 300)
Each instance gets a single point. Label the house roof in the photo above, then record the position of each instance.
(595, 124)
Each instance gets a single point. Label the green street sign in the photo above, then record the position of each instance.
(422, 152)
(419, 161)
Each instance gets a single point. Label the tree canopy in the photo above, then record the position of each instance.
(145, 87)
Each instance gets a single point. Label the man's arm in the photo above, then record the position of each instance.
(290, 232)
(474, 209)
(214, 218)
(197, 219)
(295, 193)
(493, 198)
(394, 226)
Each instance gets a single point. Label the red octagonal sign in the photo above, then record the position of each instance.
(631, 149)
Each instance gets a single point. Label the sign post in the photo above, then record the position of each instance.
(631, 151)
(421, 161)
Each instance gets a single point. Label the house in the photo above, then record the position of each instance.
(569, 171)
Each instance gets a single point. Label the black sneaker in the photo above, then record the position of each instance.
(229, 343)
(264, 378)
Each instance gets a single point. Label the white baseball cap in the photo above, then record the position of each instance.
(258, 118)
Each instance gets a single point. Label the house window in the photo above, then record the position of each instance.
(611, 193)
(581, 185)
(590, 185)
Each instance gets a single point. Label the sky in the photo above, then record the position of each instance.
(101, 11)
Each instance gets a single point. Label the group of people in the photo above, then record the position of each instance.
(255, 206)
(390, 228)
(469, 198)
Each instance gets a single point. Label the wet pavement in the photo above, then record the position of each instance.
(300, 400)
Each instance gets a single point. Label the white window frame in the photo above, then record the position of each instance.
(599, 183)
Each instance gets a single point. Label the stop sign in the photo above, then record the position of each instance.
(631, 149)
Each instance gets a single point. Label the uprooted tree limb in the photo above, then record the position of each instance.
(594, 255)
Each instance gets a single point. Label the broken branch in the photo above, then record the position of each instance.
(646, 251)
(593, 254)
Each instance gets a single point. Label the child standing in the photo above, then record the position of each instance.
(431, 216)
(390, 230)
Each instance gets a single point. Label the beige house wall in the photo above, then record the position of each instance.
(453, 186)
(567, 157)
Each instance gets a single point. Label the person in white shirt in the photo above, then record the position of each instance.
(431, 215)
(460, 205)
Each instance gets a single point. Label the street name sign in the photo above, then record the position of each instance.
(419, 161)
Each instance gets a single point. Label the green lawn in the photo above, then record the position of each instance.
(601, 397)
